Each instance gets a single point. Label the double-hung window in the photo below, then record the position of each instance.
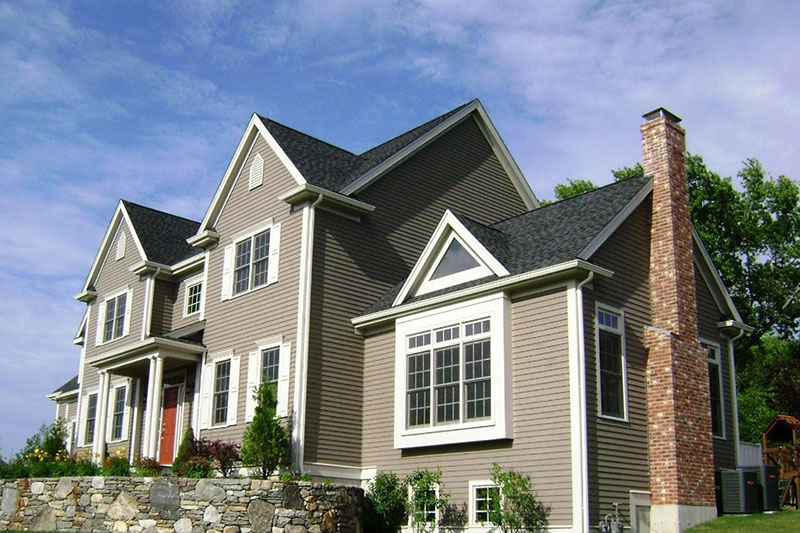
(91, 418)
(118, 416)
(715, 390)
(611, 362)
(449, 374)
(270, 365)
(222, 375)
(114, 320)
(194, 293)
(252, 263)
(452, 374)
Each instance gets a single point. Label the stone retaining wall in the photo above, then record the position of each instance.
(151, 505)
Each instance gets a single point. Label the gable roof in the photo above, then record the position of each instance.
(545, 237)
(69, 386)
(315, 162)
(163, 235)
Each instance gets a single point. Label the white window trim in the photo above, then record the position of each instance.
(621, 331)
(708, 343)
(229, 258)
(409, 524)
(473, 525)
(207, 393)
(497, 308)
(118, 384)
(84, 417)
(254, 369)
(187, 284)
(428, 285)
(101, 315)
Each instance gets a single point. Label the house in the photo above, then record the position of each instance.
(416, 307)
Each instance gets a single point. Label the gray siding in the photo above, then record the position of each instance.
(237, 324)
(164, 298)
(709, 315)
(541, 444)
(618, 457)
(355, 263)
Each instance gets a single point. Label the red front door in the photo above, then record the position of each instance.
(169, 419)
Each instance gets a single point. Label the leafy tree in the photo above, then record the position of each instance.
(514, 507)
(185, 451)
(266, 442)
(573, 188)
(385, 504)
(624, 173)
(425, 499)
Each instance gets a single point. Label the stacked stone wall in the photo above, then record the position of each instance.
(160, 505)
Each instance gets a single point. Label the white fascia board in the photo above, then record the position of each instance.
(82, 328)
(120, 213)
(471, 292)
(306, 191)
(506, 159)
(615, 222)
(448, 221)
(366, 179)
(254, 127)
(716, 280)
(734, 324)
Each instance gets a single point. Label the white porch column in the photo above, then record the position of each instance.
(99, 447)
(151, 375)
(136, 413)
(155, 431)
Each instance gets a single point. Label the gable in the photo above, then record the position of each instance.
(241, 161)
(452, 256)
(120, 228)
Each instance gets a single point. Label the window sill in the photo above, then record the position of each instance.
(109, 341)
(719, 437)
(613, 419)
(484, 430)
(249, 291)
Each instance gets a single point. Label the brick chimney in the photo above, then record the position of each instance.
(678, 404)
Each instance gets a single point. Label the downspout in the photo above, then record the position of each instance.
(734, 394)
(582, 387)
(303, 315)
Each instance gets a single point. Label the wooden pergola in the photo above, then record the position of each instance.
(784, 429)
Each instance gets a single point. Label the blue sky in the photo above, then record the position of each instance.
(147, 101)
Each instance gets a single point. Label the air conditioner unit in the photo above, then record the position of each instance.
(767, 478)
(740, 492)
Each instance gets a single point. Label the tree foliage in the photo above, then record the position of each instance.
(514, 506)
(426, 497)
(385, 504)
(265, 444)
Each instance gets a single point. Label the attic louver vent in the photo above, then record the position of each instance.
(256, 171)
(121, 246)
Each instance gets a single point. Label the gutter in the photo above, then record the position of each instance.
(508, 282)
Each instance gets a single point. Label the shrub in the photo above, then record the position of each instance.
(385, 509)
(224, 454)
(146, 467)
(47, 444)
(186, 450)
(515, 508)
(116, 466)
(266, 441)
(197, 467)
(424, 500)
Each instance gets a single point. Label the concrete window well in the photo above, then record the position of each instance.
(150, 505)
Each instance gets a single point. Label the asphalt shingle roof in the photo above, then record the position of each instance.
(163, 236)
(69, 386)
(543, 237)
(333, 168)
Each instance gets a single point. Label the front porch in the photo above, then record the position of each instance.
(164, 378)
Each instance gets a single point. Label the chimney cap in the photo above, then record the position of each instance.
(661, 112)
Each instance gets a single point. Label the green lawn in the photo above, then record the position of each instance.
(757, 523)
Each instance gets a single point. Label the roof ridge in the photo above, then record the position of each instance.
(128, 202)
(481, 224)
(418, 126)
(281, 124)
(561, 202)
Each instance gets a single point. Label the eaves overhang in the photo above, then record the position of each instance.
(567, 269)
(60, 396)
(204, 239)
(162, 271)
(331, 201)
(87, 295)
(174, 347)
(733, 328)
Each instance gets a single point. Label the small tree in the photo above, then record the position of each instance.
(515, 507)
(185, 451)
(385, 504)
(425, 499)
(266, 441)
